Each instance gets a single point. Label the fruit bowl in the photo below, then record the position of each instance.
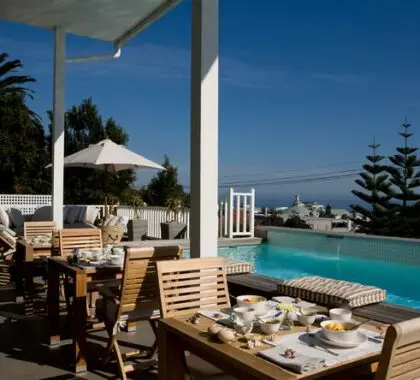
(258, 303)
(339, 331)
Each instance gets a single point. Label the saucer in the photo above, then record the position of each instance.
(361, 338)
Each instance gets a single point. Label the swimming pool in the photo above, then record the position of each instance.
(292, 255)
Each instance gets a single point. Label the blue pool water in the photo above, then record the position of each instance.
(402, 281)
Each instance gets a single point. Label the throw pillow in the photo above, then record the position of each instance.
(42, 214)
(111, 220)
(66, 212)
(16, 217)
(122, 221)
(90, 214)
(4, 218)
(73, 214)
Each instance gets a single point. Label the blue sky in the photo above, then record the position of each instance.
(303, 84)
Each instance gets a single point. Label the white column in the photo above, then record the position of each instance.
(58, 127)
(204, 128)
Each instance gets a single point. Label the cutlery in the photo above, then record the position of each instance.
(374, 340)
(359, 324)
(311, 344)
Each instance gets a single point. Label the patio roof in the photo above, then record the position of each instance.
(107, 20)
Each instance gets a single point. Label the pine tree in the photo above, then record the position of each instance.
(405, 179)
(376, 190)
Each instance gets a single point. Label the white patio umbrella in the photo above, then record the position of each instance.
(109, 157)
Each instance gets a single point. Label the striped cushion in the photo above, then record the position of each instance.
(331, 292)
(237, 266)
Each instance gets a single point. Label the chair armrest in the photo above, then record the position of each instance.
(108, 294)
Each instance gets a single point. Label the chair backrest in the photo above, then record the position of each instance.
(139, 290)
(400, 357)
(32, 229)
(188, 286)
(83, 238)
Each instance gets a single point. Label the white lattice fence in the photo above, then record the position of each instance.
(26, 203)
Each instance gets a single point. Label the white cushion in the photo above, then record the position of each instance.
(42, 214)
(122, 221)
(110, 220)
(73, 214)
(16, 217)
(4, 218)
(7, 229)
(90, 213)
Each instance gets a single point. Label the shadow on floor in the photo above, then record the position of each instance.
(25, 354)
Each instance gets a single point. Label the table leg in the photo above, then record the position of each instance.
(19, 271)
(171, 356)
(28, 270)
(53, 294)
(79, 322)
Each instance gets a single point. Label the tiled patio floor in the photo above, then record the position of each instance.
(24, 354)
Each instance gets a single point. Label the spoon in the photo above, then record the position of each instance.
(355, 327)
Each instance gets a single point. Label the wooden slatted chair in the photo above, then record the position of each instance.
(189, 286)
(32, 229)
(400, 357)
(83, 238)
(137, 299)
(79, 238)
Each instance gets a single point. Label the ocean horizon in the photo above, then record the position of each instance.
(272, 202)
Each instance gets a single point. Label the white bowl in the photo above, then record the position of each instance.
(340, 314)
(259, 306)
(116, 259)
(271, 326)
(340, 336)
(306, 318)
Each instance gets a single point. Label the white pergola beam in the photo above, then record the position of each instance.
(58, 126)
(204, 128)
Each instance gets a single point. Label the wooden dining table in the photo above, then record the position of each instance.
(80, 277)
(177, 335)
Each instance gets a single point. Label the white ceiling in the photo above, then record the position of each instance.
(102, 19)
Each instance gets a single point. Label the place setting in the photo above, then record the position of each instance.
(301, 338)
(99, 258)
(337, 340)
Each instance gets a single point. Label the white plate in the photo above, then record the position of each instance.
(291, 301)
(361, 338)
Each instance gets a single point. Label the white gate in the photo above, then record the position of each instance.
(237, 217)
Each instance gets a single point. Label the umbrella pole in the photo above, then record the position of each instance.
(105, 189)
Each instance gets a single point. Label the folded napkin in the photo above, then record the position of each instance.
(300, 363)
(215, 315)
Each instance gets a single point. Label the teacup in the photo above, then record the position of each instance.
(243, 315)
(116, 259)
(118, 251)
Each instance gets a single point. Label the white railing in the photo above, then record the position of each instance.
(236, 215)
(241, 213)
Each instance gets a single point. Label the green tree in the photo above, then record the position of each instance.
(295, 221)
(22, 155)
(164, 187)
(375, 193)
(11, 84)
(22, 138)
(405, 179)
(84, 125)
(326, 213)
